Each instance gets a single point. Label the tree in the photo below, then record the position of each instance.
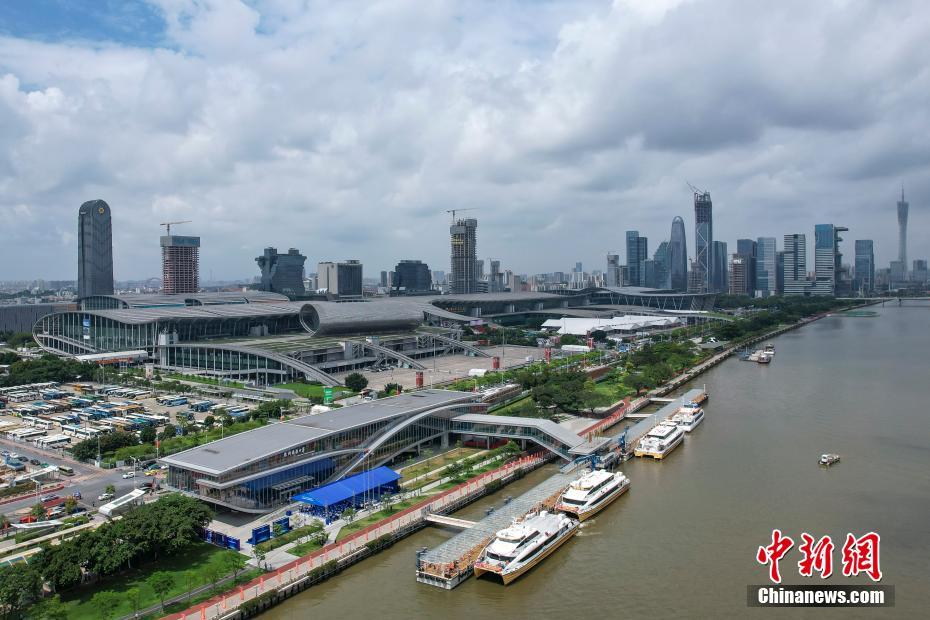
(38, 511)
(135, 599)
(214, 574)
(387, 500)
(599, 335)
(161, 583)
(106, 603)
(356, 382)
(148, 434)
(111, 489)
(209, 421)
(258, 554)
(189, 578)
(349, 514)
(20, 585)
(70, 504)
(234, 562)
(569, 339)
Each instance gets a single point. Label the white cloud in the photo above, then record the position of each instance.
(347, 129)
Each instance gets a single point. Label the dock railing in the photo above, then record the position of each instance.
(299, 569)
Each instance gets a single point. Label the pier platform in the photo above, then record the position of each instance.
(642, 427)
(452, 562)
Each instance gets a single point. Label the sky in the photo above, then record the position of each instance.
(348, 129)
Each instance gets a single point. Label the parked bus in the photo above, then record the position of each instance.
(68, 471)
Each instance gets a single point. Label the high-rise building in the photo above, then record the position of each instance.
(579, 267)
(495, 276)
(919, 272)
(739, 274)
(898, 273)
(902, 229)
(747, 248)
(660, 257)
(343, 279)
(412, 276)
(636, 253)
(720, 267)
(864, 266)
(180, 264)
(464, 237)
(95, 249)
(796, 282)
(704, 235)
(678, 256)
(649, 273)
(697, 279)
(282, 273)
(828, 261)
(384, 279)
(765, 266)
(613, 270)
(780, 273)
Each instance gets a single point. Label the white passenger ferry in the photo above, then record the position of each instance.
(660, 441)
(524, 544)
(688, 416)
(592, 492)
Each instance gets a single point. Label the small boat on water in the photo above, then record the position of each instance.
(688, 416)
(764, 358)
(660, 441)
(827, 460)
(523, 545)
(592, 492)
(769, 349)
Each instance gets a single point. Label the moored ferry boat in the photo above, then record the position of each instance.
(592, 492)
(660, 441)
(523, 545)
(688, 416)
(769, 349)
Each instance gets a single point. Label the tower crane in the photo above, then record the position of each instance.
(167, 225)
(452, 211)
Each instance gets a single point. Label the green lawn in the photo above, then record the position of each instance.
(295, 534)
(198, 560)
(304, 548)
(435, 462)
(360, 524)
(306, 390)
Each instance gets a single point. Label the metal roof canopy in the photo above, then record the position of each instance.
(348, 488)
(547, 427)
(219, 456)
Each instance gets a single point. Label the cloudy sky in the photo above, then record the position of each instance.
(347, 129)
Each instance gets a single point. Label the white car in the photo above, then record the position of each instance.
(129, 474)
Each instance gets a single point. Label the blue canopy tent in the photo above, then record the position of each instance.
(331, 499)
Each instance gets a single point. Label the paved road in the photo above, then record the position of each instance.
(90, 481)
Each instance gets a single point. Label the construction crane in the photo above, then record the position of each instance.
(167, 225)
(452, 211)
(695, 189)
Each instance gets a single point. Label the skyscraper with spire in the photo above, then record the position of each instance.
(903, 207)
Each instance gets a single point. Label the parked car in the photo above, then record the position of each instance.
(22, 459)
(77, 495)
(56, 512)
(49, 498)
(78, 509)
(35, 461)
(12, 456)
(129, 474)
(28, 519)
(147, 485)
(5, 453)
(105, 497)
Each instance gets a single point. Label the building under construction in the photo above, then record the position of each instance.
(464, 237)
(180, 264)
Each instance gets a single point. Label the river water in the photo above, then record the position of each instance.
(682, 542)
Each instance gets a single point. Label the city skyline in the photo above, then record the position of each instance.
(366, 169)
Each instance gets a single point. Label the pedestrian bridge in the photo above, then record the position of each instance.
(461, 524)
(545, 433)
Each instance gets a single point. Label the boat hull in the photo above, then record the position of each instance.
(696, 424)
(660, 455)
(508, 577)
(587, 514)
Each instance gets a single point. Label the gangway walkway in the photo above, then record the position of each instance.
(636, 432)
(453, 561)
(545, 433)
(461, 524)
